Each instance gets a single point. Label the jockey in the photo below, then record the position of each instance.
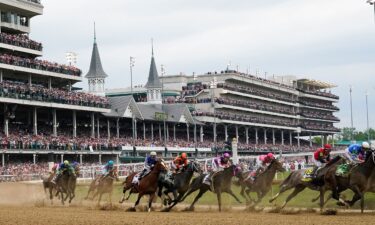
(322, 155)
(263, 161)
(150, 162)
(356, 153)
(107, 168)
(180, 162)
(65, 166)
(218, 164)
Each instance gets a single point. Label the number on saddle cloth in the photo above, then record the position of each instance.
(308, 174)
(343, 170)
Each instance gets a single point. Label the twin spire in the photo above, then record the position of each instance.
(96, 69)
(153, 76)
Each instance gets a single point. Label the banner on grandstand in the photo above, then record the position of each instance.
(161, 116)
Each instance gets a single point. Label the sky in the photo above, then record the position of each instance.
(332, 41)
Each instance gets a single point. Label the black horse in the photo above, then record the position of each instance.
(179, 185)
(66, 185)
(222, 182)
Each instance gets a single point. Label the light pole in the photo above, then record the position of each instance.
(213, 85)
(368, 124)
(351, 115)
(162, 104)
(131, 65)
(372, 2)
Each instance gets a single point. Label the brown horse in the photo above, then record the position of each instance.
(106, 185)
(47, 184)
(128, 185)
(262, 184)
(295, 181)
(149, 184)
(360, 180)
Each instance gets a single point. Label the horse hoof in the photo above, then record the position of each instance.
(165, 210)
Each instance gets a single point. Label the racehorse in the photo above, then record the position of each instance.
(47, 184)
(222, 182)
(149, 184)
(128, 185)
(180, 184)
(106, 185)
(295, 180)
(360, 180)
(263, 182)
(64, 186)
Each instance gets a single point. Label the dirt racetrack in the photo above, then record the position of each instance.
(23, 204)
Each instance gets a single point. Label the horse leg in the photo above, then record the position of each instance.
(322, 192)
(201, 192)
(150, 201)
(100, 198)
(295, 192)
(123, 195)
(233, 195)
(242, 193)
(283, 189)
(62, 196)
(191, 190)
(218, 194)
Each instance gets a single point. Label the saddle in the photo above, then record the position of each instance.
(308, 175)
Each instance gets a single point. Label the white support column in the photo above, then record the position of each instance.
(234, 151)
(160, 132)
(74, 123)
(282, 137)
(167, 127)
(54, 122)
(97, 127)
(49, 83)
(117, 159)
(215, 134)
(290, 138)
(30, 80)
(195, 133)
(237, 137)
(6, 126)
(333, 140)
(1, 75)
(152, 132)
(273, 137)
(80, 159)
(298, 140)
(265, 136)
(187, 132)
(201, 133)
(34, 159)
(144, 131)
(247, 135)
(174, 132)
(100, 158)
(310, 139)
(135, 128)
(322, 140)
(108, 129)
(256, 136)
(226, 132)
(118, 127)
(62, 158)
(35, 120)
(92, 125)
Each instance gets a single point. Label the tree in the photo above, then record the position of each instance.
(347, 132)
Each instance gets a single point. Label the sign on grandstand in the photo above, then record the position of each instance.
(160, 116)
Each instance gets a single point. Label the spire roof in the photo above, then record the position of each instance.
(96, 69)
(153, 77)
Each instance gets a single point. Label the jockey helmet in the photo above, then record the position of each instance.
(365, 145)
(153, 154)
(327, 147)
(183, 155)
(66, 162)
(110, 162)
(226, 155)
(270, 156)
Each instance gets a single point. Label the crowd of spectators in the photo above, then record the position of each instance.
(319, 104)
(320, 93)
(311, 125)
(19, 90)
(258, 91)
(248, 117)
(253, 104)
(20, 40)
(193, 89)
(318, 115)
(39, 64)
(13, 172)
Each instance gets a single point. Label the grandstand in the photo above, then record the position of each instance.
(46, 119)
